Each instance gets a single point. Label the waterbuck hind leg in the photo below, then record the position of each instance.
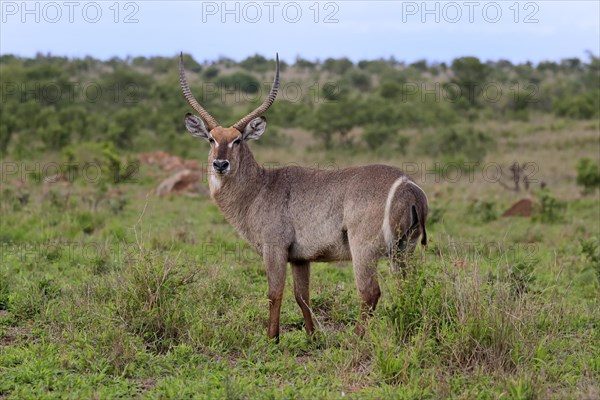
(275, 264)
(399, 257)
(301, 275)
(406, 245)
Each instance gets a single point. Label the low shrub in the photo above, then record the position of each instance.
(588, 175)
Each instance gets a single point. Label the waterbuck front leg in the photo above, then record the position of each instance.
(301, 275)
(275, 263)
(364, 262)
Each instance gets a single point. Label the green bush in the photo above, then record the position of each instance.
(378, 136)
(484, 210)
(583, 106)
(588, 174)
(211, 73)
(84, 160)
(390, 90)
(551, 210)
(334, 91)
(360, 80)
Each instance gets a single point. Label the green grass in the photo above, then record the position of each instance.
(158, 298)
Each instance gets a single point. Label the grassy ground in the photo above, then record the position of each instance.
(139, 296)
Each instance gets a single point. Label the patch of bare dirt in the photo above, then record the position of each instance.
(144, 384)
(15, 334)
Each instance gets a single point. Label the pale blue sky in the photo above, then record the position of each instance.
(540, 30)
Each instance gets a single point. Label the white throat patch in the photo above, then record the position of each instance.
(214, 182)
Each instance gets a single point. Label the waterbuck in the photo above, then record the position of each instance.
(300, 215)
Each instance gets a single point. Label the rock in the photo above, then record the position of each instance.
(182, 181)
(522, 208)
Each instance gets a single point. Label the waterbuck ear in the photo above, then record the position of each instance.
(196, 126)
(255, 128)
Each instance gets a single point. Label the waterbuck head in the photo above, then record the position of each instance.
(226, 143)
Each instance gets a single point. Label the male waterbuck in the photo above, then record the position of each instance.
(299, 215)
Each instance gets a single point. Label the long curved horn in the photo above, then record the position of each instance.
(210, 121)
(241, 124)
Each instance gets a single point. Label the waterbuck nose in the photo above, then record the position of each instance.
(220, 166)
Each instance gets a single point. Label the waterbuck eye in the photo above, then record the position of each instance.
(236, 141)
(211, 140)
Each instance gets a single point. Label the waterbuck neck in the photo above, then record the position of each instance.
(234, 193)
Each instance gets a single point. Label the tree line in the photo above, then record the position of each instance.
(49, 102)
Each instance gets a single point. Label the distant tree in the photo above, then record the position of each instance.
(82, 65)
(125, 126)
(256, 63)
(140, 61)
(375, 66)
(420, 65)
(331, 118)
(591, 78)
(337, 66)
(190, 64)
(7, 58)
(359, 80)
(288, 113)
(502, 64)
(548, 66)
(211, 73)
(376, 136)
(125, 85)
(239, 81)
(334, 91)
(163, 65)
(390, 90)
(226, 62)
(470, 75)
(305, 64)
(114, 61)
(571, 65)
